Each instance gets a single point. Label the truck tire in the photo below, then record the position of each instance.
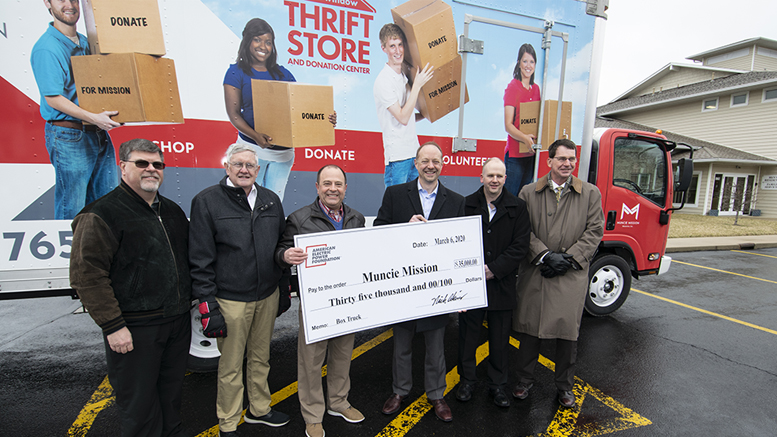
(203, 352)
(609, 283)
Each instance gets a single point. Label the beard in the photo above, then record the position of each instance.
(65, 18)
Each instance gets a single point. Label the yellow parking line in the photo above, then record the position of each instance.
(291, 389)
(725, 271)
(753, 253)
(730, 319)
(101, 399)
(411, 415)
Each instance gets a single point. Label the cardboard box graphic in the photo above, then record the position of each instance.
(123, 26)
(294, 114)
(440, 95)
(430, 32)
(143, 88)
(529, 114)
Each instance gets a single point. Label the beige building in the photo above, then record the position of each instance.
(724, 106)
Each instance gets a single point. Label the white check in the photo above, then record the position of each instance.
(358, 279)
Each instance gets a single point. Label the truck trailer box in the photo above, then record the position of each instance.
(124, 27)
(143, 88)
(430, 32)
(294, 114)
(530, 117)
(441, 94)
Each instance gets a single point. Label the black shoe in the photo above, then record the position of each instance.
(464, 392)
(500, 397)
(273, 418)
(566, 398)
(521, 390)
(228, 434)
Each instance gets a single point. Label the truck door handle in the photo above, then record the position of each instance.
(611, 215)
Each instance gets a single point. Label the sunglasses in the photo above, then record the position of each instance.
(142, 163)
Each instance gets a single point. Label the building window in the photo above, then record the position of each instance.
(691, 195)
(710, 105)
(739, 99)
(770, 95)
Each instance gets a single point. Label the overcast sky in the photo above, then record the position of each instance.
(642, 36)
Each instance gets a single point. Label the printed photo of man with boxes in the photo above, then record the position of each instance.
(82, 154)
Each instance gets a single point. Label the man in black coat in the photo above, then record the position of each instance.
(506, 233)
(419, 201)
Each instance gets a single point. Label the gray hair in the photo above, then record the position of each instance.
(240, 148)
(139, 145)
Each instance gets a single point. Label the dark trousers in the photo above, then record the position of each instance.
(434, 362)
(148, 380)
(470, 324)
(566, 357)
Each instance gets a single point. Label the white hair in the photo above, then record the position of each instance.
(240, 148)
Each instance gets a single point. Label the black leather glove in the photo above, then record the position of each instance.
(547, 272)
(558, 262)
(213, 324)
(571, 259)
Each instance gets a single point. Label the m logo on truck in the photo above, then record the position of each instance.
(629, 211)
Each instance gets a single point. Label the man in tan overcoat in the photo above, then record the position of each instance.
(567, 225)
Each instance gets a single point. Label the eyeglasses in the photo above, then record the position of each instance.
(142, 163)
(565, 159)
(247, 165)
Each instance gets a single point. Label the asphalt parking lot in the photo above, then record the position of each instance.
(691, 352)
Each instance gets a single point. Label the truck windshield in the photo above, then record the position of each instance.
(640, 166)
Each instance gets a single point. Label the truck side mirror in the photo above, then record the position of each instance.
(686, 173)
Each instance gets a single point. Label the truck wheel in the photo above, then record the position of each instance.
(609, 282)
(203, 352)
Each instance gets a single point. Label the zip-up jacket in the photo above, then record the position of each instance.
(128, 262)
(231, 247)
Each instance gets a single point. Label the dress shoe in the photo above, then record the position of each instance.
(500, 397)
(566, 398)
(521, 390)
(442, 410)
(392, 403)
(464, 392)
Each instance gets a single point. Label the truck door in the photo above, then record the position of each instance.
(635, 192)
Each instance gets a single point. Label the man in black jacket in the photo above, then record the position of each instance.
(418, 201)
(506, 232)
(129, 266)
(326, 213)
(235, 227)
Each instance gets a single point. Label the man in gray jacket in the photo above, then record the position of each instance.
(326, 213)
(234, 229)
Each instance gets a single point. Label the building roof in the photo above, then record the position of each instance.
(669, 68)
(735, 82)
(703, 151)
(761, 42)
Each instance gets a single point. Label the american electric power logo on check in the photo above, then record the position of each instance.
(320, 255)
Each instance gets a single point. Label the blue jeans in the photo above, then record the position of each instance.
(84, 165)
(519, 171)
(273, 175)
(399, 172)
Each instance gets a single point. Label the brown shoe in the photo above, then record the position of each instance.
(392, 403)
(442, 410)
(521, 390)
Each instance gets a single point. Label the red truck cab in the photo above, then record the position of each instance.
(633, 171)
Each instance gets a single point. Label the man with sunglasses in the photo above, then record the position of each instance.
(567, 224)
(129, 265)
(235, 226)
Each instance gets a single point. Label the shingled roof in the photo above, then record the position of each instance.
(703, 151)
(750, 80)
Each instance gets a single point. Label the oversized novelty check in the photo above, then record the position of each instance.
(358, 279)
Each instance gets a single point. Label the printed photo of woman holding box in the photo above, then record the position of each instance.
(520, 165)
(256, 59)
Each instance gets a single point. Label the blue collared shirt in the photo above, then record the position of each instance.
(427, 198)
(50, 59)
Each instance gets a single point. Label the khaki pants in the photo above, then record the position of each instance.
(310, 358)
(249, 330)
